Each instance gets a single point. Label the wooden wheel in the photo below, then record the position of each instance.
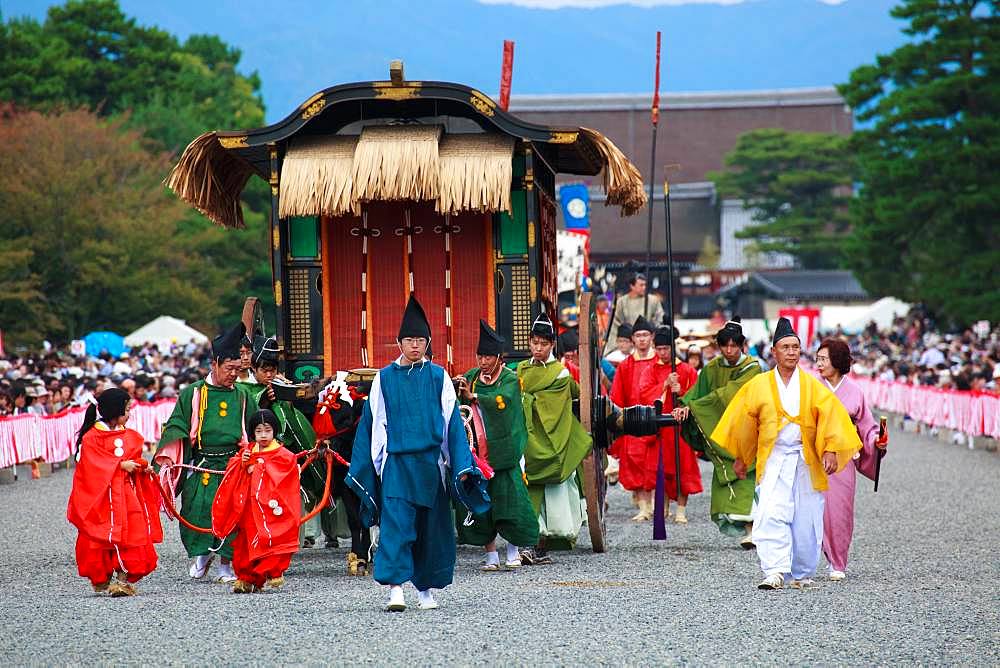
(253, 317)
(595, 486)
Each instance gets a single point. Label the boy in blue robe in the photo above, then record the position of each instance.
(410, 452)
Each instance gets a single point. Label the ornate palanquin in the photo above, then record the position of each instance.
(381, 188)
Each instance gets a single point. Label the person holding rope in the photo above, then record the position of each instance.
(295, 431)
(410, 454)
(205, 430)
(492, 391)
(259, 500)
(114, 503)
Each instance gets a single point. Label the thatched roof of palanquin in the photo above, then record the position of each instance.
(333, 156)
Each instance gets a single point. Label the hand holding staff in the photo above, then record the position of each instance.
(883, 440)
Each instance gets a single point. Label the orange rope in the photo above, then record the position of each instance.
(326, 491)
(168, 503)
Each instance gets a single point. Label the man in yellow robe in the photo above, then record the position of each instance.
(797, 432)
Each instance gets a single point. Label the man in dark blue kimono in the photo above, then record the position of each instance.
(410, 452)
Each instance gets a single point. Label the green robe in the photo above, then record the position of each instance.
(718, 383)
(221, 430)
(557, 442)
(512, 515)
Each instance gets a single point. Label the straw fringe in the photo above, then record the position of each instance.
(333, 175)
(475, 173)
(397, 162)
(622, 180)
(211, 179)
(317, 177)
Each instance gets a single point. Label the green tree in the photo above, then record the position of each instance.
(925, 220)
(798, 185)
(88, 53)
(91, 239)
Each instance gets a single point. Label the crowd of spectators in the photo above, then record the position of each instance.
(48, 382)
(912, 351)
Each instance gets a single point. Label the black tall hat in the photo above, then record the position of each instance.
(625, 330)
(642, 325)
(783, 330)
(490, 343)
(543, 327)
(662, 336)
(226, 346)
(265, 350)
(731, 331)
(570, 340)
(414, 323)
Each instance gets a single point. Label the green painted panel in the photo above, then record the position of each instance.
(514, 229)
(303, 237)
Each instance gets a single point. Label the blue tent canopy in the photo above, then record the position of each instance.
(109, 341)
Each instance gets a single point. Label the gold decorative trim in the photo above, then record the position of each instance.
(385, 90)
(305, 105)
(482, 103)
(275, 238)
(277, 293)
(233, 142)
(531, 235)
(274, 190)
(313, 109)
(534, 289)
(563, 137)
(273, 155)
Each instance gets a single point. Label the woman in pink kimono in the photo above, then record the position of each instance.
(833, 361)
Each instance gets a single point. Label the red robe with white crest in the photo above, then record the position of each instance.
(116, 513)
(260, 499)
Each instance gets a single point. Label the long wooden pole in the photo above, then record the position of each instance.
(655, 116)
(659, 522)
(670, 324)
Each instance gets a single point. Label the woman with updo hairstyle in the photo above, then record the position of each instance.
(833, 362)
(114, 503)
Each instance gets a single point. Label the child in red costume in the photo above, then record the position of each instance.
(114, 502)
(259, 497)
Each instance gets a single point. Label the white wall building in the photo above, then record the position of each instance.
(733, 251)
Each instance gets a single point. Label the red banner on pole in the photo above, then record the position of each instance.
(656, 83)
(506, 73)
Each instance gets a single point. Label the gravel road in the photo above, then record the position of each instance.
(922, 589)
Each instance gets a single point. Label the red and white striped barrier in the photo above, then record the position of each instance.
(972, 413)
(51, 438)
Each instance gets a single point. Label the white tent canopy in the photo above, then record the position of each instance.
(165, 331)
(853, 319)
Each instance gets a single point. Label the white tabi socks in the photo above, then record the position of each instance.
(200, 566)
(513, 556)
(425, 600)
(224, 573)
(396, 603)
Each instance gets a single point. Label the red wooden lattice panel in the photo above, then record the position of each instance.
(387, 283)
(387, 280)
(471, 280)
(342, 290)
